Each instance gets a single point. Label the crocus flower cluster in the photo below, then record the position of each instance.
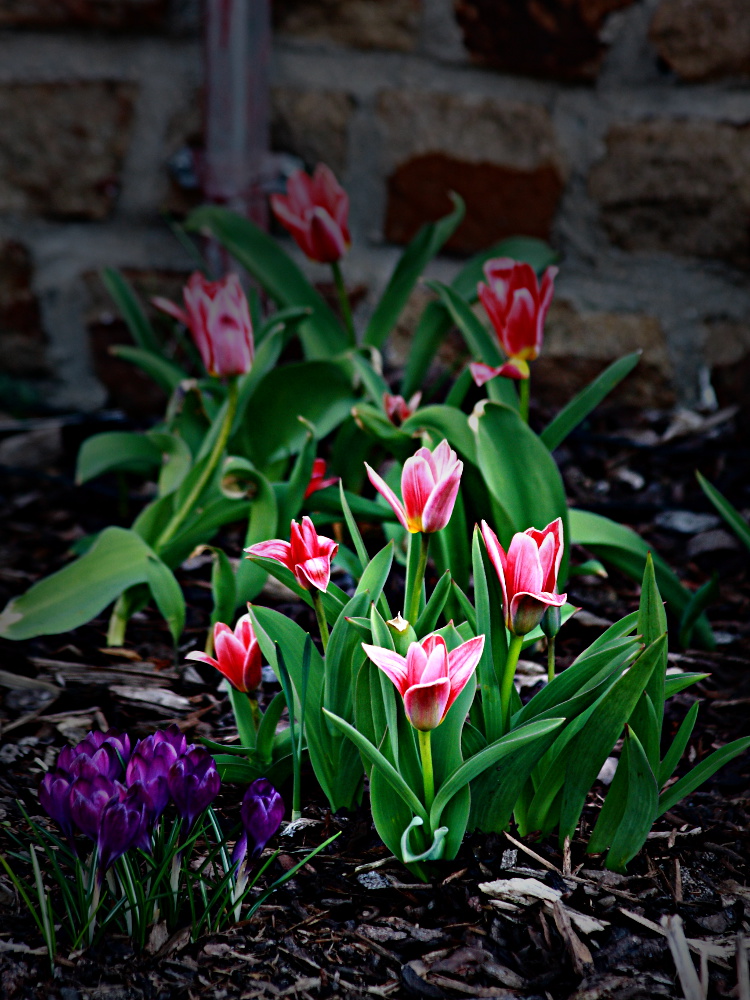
(429, 486)
(315, 212)
(238, 655)
(114, 796)
(308, 555)
(517, 307)
(218, 316)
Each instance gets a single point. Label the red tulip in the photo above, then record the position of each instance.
(397, 409)
(308, 555)
(218, 316)
(314, 210)
(318, 479)
(517, 307)
(429, 678)
(238, 654)
(527, 573)
(429, 485)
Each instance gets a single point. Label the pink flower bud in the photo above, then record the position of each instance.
(315, 211)
(238, 655)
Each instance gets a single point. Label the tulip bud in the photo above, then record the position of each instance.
(551, 622)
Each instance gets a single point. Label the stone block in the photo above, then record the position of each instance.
(312, 124)
(22, 342)
(548, 38)
(579, 344)
(727, 354)
(363, 24)
(62, 146)
(703, 39)
(500, 156)
(678, 186)
(130, 15)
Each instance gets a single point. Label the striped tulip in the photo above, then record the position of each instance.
(429, 486)
(308, 555)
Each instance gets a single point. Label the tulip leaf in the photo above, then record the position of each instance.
(429, 617)
(622, 547)
(290, 495)
(600, 733)
(489, 623)
(341, 662)
(587, 400)
(334, 599)
(176, 460)
(75, 594)
(678, 682)
(730, 513)
(164, 372)
(652, 622)
(702, 598)
(121, 450)
(447, 760)
(354, 531)
(521, 475)
(167, 594)
(445, 422)
(223, 588)
(677, 747)
(260, 254)
(700, 773)
(491, 756)
(211, 517)
(640, 806)
(131, 311)
(407, 272)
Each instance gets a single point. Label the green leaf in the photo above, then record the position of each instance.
(176, 460)
(652, 622)
(434, 606)
(700, 773)
(260, 254)
(730, 513)
(80, 591)
(678, 682)
(640, 807)
(164, 372)
(490, 624)
(291, 495)
(412, 263)
(521, 475)
(445, 422)
(623, 548)
(600, 733)
(702, 598)
(341, 654)
(489, 757)
(351, 524)
(612, 810)
(130, 308)
(167, 595)
(122, 450)
(482, 344)
(587, 400)
(223, 589)
(677, 747)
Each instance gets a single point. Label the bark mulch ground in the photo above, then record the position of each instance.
(353, 922)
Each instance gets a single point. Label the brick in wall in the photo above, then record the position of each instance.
(132, 15)
(22, 342)
(703, 39)
(312, 124)
(363, 24)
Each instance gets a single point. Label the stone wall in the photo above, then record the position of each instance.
(617, 129)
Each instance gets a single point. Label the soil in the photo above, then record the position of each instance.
(352, 922)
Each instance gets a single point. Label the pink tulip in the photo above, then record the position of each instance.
(429, 678)
(308, 555)
(397, 409)
(217, 315)
(429, 485)
(315, 210)
(238, 655)
(517, 307)
(527, 573)
(318, 479)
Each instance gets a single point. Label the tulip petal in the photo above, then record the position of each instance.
(439, 507)
(385, 491)
(204, 658)
(417, 483)
(497, 557)
(316, 571)
(275, 548)
(523, 569)
(527, 610)
(171, 309)
(425, 704)
(328, 241)
(393, 665)
(520, 329)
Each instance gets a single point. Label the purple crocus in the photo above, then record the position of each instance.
(194, 783)
(123, 823)
(262, 811)
(172, 736)
(109, 751)
(54, 798)
(88, 797)
(150, 766)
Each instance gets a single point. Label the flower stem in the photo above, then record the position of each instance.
(321, 616)
(414, 584)
(179, 516)
(550, 659)
(509, 672)
(346, 309)
(524, 394)
(425, 752)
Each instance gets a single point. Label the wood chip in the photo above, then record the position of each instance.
(159, 698)
(522, 891)
(692, 987)
(578, 951)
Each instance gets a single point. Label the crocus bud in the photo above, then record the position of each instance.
(88, 797)
(315, 212)
(429, 485)
(429, 678)
(173, 737)
(527, 574)
(218, 316)
(238, 655)
(108, 752)
(124, 823)
(54, 798)
(149, 767)
(194, 783)
(308, 555)
(262, 811)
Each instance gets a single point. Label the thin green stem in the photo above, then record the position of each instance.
(180, 515)
(550, 659)
(321, 616)
(524, 394)
(509, 672)
(346, 309)
(428, 776)
(414, 595)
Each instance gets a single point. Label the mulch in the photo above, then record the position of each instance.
(352, 922)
